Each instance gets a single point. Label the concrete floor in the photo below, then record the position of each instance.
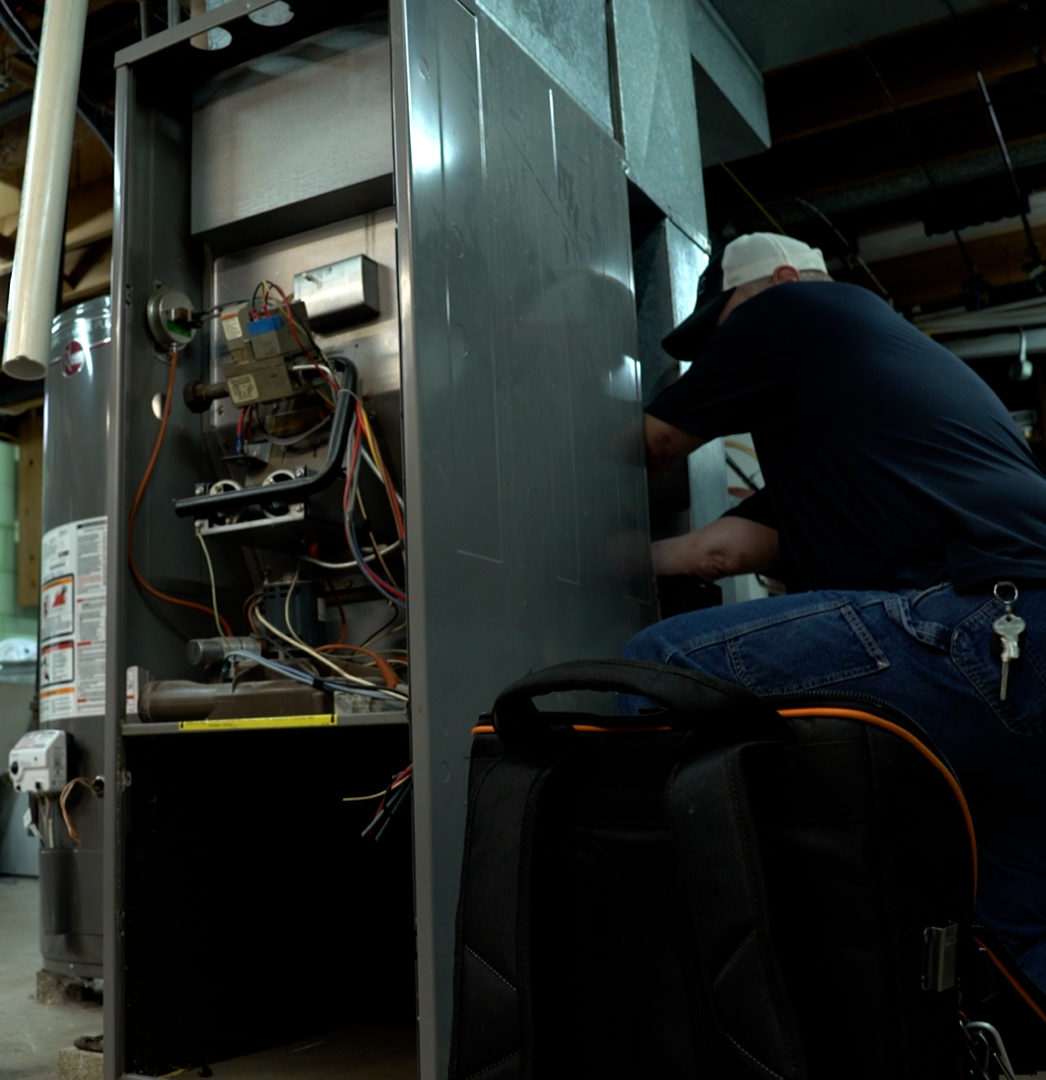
(36, 1040)
(32, 1034)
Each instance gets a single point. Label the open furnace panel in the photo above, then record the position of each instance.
(298, 411)
(260, 884)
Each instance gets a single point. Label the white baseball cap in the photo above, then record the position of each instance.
(744, 259)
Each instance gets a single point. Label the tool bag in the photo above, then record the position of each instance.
(718, 889)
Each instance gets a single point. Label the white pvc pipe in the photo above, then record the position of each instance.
(41, 216)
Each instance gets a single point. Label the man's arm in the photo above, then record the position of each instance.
(666, 444)
(722, 548)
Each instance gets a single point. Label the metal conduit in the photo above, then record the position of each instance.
(1011, 343)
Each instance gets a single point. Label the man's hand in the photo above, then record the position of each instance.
(722, 548)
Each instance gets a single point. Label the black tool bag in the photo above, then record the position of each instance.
(720, 889)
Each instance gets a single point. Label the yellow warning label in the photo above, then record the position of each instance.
(315, 720)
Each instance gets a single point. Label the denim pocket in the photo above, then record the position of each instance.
(975, 653)
(829, 645)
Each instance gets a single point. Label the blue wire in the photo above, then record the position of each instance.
(358, 555)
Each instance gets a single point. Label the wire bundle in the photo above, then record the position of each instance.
(293, 325)
(361, 449)
(355, 456)
(391, 800)
(343, 684)
(87, 783)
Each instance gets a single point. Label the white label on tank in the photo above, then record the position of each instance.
(72, 619)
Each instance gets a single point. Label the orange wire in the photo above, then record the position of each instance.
(73, 834)
(390, 489)
(135, 573)
(390, 677)
(1025, 996)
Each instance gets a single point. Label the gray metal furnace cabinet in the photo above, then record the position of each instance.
(237, 905)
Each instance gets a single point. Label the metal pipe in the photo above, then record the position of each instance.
(41, 218)
(1011, 343)
(181, 699)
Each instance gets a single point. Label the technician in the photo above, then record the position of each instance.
(907, 517)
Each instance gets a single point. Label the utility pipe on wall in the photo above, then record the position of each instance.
(1010, 343)
(41, 216)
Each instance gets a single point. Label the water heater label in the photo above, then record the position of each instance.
(72, 619)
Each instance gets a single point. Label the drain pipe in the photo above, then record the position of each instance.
(41, 217)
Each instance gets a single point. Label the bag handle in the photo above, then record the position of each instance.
(691, 699)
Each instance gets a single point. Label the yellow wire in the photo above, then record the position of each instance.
(372, 442)
(762, 209)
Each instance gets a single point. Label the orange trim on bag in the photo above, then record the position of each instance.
(488, 729)
(849, 714)
(914, 740)
(1025, 996)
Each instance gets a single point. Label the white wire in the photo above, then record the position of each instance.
(351, 564)
(312, 367)
(214, 587)
(293, 440)
(318, 656)
(328, 685)
(287, 609)
(377, 472)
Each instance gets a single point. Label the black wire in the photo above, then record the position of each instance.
(741, 473)
(381, 629)
(14, 26)
(969, 46)
(1033, 247)
(852, 256)
(388, 808)
(911, 141)
(211, 312)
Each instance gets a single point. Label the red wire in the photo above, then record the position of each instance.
(390, 488)
(136, 502)
(290, 322)
(350, 472)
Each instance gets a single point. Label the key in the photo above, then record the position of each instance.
(1009, 627)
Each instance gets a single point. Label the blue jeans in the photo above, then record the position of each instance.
(930, 654)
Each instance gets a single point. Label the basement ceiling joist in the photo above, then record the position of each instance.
(905, 130)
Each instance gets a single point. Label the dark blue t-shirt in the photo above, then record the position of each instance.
(888, 462)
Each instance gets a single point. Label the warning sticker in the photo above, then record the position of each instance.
(56, 608)
(72, 619)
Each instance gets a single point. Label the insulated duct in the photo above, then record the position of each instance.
(1016, 344)
(41, 219)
